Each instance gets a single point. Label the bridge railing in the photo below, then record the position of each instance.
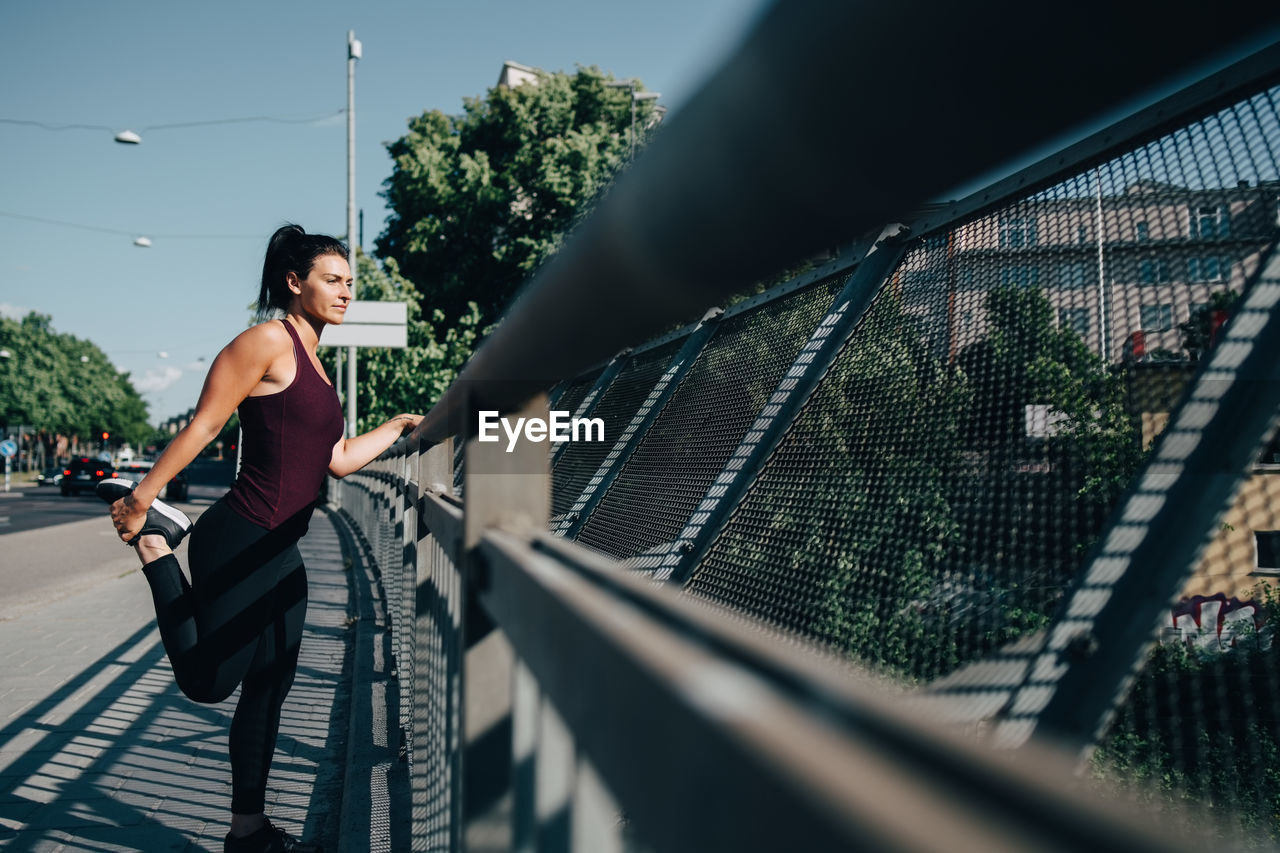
(1006, 463)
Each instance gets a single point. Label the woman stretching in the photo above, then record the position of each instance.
(239, 621)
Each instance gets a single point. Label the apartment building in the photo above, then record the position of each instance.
(1159, 251)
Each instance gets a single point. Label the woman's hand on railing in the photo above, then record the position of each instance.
(405, 421)
(352, 454)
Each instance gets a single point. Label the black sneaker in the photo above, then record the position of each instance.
(169, 522)
(269, 839)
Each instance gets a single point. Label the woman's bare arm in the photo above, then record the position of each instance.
(236, 371)
(352, 454)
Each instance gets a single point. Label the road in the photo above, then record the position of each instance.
(52, 546)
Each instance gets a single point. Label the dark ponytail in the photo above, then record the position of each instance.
(291, 250)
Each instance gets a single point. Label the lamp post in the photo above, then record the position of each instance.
(630, 84)
(354, 51)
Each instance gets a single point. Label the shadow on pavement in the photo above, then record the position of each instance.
(117, 758)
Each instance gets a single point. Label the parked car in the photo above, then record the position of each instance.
(50, 476)
(176, 489)
(83, 474)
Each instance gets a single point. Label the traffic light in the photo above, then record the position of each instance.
(106, 435)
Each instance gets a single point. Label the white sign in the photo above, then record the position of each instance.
(8, 448)
(1044, 421)
(370, 324)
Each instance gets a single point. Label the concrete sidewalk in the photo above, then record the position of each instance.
(100, 751)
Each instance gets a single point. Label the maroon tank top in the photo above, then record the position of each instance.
(286, 444)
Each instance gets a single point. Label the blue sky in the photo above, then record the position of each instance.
(209, 196)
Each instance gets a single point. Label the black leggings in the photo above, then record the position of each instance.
(239, 622)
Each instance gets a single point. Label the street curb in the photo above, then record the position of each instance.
(374, 775)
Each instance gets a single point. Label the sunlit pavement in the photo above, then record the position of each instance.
(100, 751)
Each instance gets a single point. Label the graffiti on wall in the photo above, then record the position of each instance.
(1215, 622)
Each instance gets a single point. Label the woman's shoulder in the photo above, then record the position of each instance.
(270, 332)
(269, 337)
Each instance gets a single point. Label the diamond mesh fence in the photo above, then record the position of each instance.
(937, 494)
(617, 405)
(575, 391)
(668, 473)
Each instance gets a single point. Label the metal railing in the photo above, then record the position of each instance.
(907, 485)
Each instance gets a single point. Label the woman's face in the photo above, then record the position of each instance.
(326, 291)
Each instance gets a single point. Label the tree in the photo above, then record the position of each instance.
(847, 536)
(390, 381)
(62, 385)
(480, 200)
(1036, 503)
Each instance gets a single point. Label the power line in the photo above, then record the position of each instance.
(48, 126)
(172, 125)
(275, 119)
(98, 228)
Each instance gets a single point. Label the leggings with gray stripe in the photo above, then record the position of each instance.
(238, 622)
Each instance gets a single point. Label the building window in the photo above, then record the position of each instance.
(936, 242)
(1073, 274)
(1210, 221)
(1017, 232)
(1075, 319)
(1020, 275)
(1156, 318)
(1266, 544)
(1204, 268)
(1141, 232)
(1271, 453)
(1152, 271)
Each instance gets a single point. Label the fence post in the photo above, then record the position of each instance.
(511, 490)
(436, 771)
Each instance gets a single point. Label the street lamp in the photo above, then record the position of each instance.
(128, 137)
(636, 97)
(355, 51)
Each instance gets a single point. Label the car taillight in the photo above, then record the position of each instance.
(67, 472)
(99, 473)
(115, 473)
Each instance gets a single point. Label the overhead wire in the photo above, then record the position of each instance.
(101, 229)
(148, 129)
(172, 125)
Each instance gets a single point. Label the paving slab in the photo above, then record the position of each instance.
(100, 751)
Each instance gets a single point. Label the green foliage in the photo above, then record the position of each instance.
(44, 383)
(1199, 729)
(907, 517)
(390, 381)
(849, 531)
(895, 457)
(1044, 521)
(480, 200)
